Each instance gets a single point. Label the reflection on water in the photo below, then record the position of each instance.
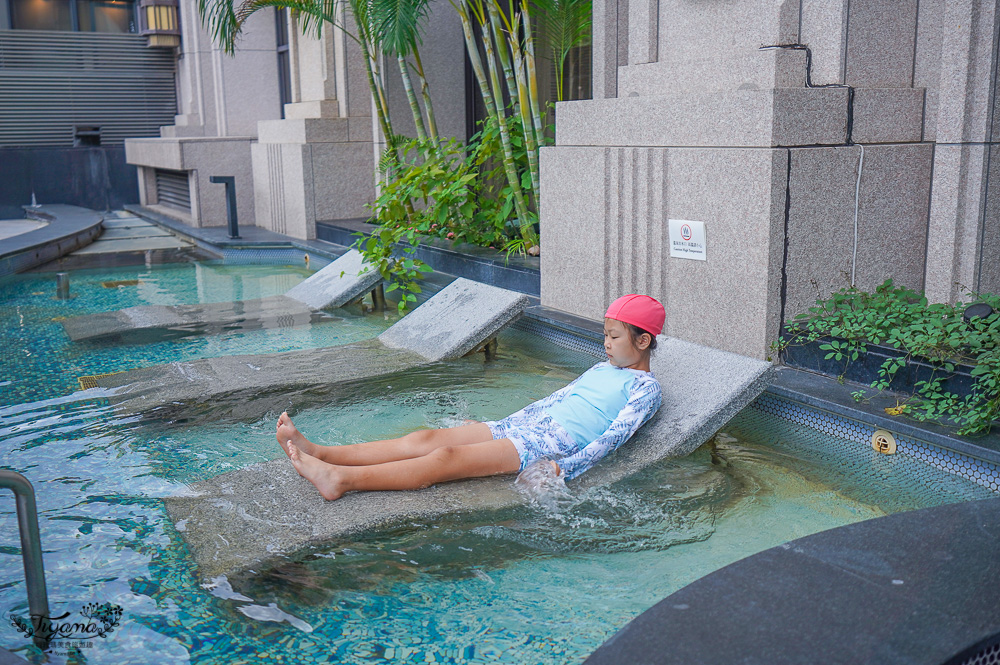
(526, 584)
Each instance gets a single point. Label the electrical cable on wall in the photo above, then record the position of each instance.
(857, 200)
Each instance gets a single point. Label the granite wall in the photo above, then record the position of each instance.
(821, 143)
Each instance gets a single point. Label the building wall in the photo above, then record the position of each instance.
(873, 162)
(226, 95)
(54, 83)
(443, 56)
(96, 178)
(51, 82)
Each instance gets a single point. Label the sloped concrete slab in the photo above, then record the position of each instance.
(457, 319)
(333, 286)
(340, 282)
(703, 389)
(185, 384)
(469, 314)
(140, 323)
(243, 518)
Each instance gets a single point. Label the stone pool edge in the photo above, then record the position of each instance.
(69, 228)
(894, 589)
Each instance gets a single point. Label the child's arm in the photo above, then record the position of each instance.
(643, 401)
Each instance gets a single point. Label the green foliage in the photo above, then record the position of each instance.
(398, 267)
(397, 23)
(459, 194)
(567, 24)
(902, 319)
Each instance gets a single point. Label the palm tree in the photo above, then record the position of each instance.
(567, 24)
(397, 28)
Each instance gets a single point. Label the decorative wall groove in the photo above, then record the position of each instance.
(635, 199)
(276, 187)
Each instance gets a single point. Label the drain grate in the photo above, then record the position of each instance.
(120, 282)
(985, 653)
(90, 381)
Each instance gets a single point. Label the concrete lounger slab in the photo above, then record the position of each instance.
(270, 312)
(464, 314)
(241, 519)
(336, 284)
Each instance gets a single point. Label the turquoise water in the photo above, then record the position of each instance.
(38, 361)
(520, 585)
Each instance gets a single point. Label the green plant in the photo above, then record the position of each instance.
(507, 37)
(397, 266)
(459, 190)
(567, 24)
(904, 320)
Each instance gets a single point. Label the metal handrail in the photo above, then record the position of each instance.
(31, 548)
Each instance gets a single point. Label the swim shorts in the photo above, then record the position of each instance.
(535, 435)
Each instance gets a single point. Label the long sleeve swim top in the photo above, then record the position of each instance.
(601, 410)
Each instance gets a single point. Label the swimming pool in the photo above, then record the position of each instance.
(518, 585)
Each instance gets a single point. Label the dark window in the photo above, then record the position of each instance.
(74, 15)
(86, 135)
(110, 16)
(41, 14)
(284, 66)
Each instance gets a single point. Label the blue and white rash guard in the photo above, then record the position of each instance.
(601, 410)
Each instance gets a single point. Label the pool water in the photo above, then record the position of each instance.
(38, 361)
(518, 585)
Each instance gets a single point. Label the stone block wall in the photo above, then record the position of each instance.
(694, 120)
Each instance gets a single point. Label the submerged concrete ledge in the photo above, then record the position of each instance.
(453, 322)
(242, 519)
(338, 283)
(212, 318)
(920, 587)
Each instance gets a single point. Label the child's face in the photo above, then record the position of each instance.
(618, 346)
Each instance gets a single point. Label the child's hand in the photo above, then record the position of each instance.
(544, 482)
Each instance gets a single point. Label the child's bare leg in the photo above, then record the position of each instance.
(415, 444)
(487, 458)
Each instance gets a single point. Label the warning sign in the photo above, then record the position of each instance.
(687, 239)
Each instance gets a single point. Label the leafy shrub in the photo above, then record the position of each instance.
(903, 319)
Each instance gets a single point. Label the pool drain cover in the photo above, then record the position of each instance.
(90, 381)
(883, 442)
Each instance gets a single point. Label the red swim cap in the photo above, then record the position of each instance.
(642, 311)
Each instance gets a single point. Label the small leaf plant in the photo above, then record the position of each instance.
(900, 318)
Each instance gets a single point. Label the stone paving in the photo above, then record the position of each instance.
(15, 227)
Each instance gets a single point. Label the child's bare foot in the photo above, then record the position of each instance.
(324, 476)
(288, 432)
